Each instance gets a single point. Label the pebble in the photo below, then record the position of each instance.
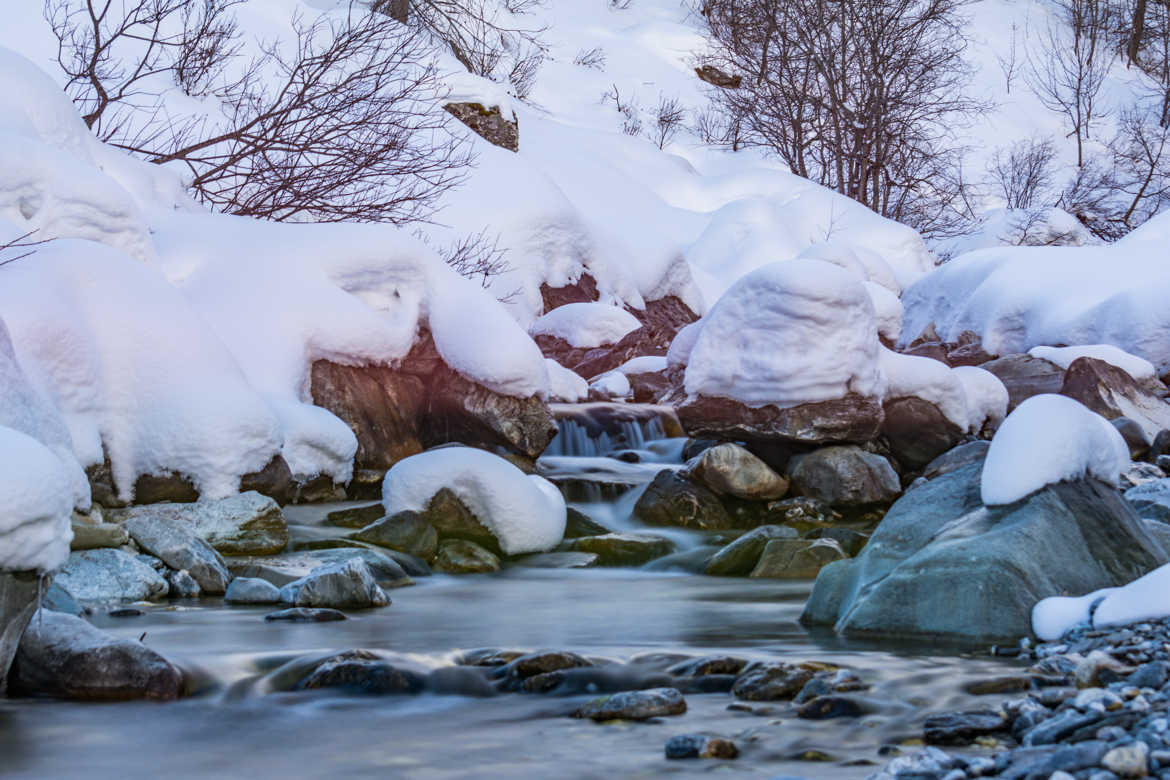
(699, 746)
(1128, 761)
(306, 615)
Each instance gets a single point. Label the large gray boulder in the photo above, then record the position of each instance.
(845, 476)
(110, 575)
(18, 602)
(247, 524)
(942, 565)
(338, 585)
(176, 544)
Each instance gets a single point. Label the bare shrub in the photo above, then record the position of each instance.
(593, 59)
(1022, 174)
(668, 120)
(631, 114)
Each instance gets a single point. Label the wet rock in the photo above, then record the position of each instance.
(247, 524)
(1151, 500)
(347, 585)
(1025, 376)
(1135, 437)
(459, 556)
(110, 575)
(406, 532)
(164, 488)
(358, 671)
(1153, 674)
(708, 665)
(771, 681)
(962, 728)
(286, 567)
(18, 602)
(1093, 670)
(845, 476)
(700, 746)
(917, 431)
(850, 540)
(305, 615)
(741, 556)
(179, 547)
(250, 590)
(65, 657)
(488, 123)
(800, 559)
(559, 560)
(622, 549)
(58, 599)
(635, 705)
(451, 518)
(95, 536)
(1130, 761)
(1008, 684)
(274, 480)
(578, 524)
(672, 499)
(830, 707)
(356, 517)
(544, 662)
(849, 419)
(963, 455)
(802, 513)
(182, 585)
(1112, 393)
(730, 470)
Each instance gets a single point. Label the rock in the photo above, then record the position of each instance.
(558, 560)
(459, 556)
(802, 513)
(971, 354)
(939, 540)
(488, 123)
(406, 531)
(1135, 437)
(58, 599)
(317, 490)
(356, 517)
(672, 499)
(850, 419)
(771, 681)
(730, 470)
(829, 707)
(963, 455)
(716, 77)
(962, 728)
(95, 536)
(19, 592)
(347, 585)
(182, 585)
(708, 665)
(1160, 445)
(175, 542)
(305, 615)
(917, 431)
(543, 662)
(1130, 760)
(284, 568)
(1151, 500)
(65, 657)
(1089, 671)
(845, 476)
(110, 575)
(583, 290)
(796, 559)
(578, 524)
(852, 542)
(621, 549)
(635, 705)
(1025, 376)
(275, 480)
(164, 488)
(741, 556)
(700, 746)
(1112, 393)
(360, 671)
(451, 519)
(251, 590)
(247, 524)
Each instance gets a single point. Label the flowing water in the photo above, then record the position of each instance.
(239, 725)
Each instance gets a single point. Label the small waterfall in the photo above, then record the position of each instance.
(592, 430)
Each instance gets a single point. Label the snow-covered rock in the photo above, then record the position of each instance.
(564, 384)
(928, 379)
(36, 496)
(611, 384)
(1050, 439)
(684, 341)
(1138, 368)
(586, 324)
(986, 396)
(1146, 598)
(525, 513)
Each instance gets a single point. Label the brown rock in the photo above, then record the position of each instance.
(451, 519)
(850, 419)
(716, 77)
(1025, 376)
(274, 480)
(488, 123)
(797, 559)
(584, 290)
(1111, 392)
(917, 431)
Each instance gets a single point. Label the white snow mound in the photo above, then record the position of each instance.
(1146, 598)
(565, 384)
(1138, 368)
(586, 325)
(987, 398)
(36, 492)
(928, 379)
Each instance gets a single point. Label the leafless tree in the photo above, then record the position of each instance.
(862, 97)
(1009, 65)
(1023, 173)
(1092, 196)
(1141, 161)
(1070, 64)
(718, 127)
(668, 119)
(477, 256)
(339, 123)
(1148, 47)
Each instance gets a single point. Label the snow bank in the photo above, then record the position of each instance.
(645, 364)
(564, 384)
(987, 398)
(679, 353)
(766, 340)
(928, 379)
(526, 513)
(1146, 598)
(36, 491)
(1049, 439)
(612, 384)
(887, 311)
(1138, 368)
(586, 325)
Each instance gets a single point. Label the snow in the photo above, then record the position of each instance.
(645, 364)
(679, 353)
(987, 398)
(525, 513)
(928, 379)
(36, 490)
(1049, 439)
(1054, 616)
(564, 384)
(765, 341)
(1138, 368)
(1146, 598)
(586, 325)
(611, 384)
(888, 311)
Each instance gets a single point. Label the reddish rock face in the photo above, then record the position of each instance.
(584, 290)
(1025, 376)
(917, 431)
(1111, 392)
(850, 419)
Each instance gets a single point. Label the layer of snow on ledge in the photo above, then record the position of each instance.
(789, 333)
(987, 398)
(526, 513)
(586, 325)
(564, 384)
(1049, 439)
(1146, 598)
(645, 364)
(612, 384)
(36, 493)
(928, 379)
(1138, 368)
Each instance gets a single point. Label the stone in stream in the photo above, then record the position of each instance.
(251, 590)
(1128, 761)
(175, 542)
(829, 707)
(741, 556)
(460, 556)
(700, 746)
(799, 559)
(773, 681)
(360, 671)
(110, 575)
(852, 418)
(709, 664)
(621, 549)
(532, 664)
(851, 541)
(451, 518)
(672, 499)
(65, 657)
(246, 524)
(94, 536)
(286, 567)
(1151, 500)
(405, 531)
(962, 728)
(730, 470)
(356, 517)
(337, 585)
(845, 476)
(963, 455)
(18, 602)
(635, 705)
(182, 585)
(305, 615)
(558, 560)
(578, 524)
(1135, 438)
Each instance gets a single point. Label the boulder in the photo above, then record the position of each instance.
(562, 560)
(356, 517)
(88, 535)
(584, 290)
(939, 540)
(163, 488)
(730, 470)
(796, 559)
(19, 592)
(917, 431)
(251, 590)
(245, 524)
(346, 585)
(65, 657)
(578, 524)
(360, 671)
(672, 499)
(175, 542)
(182, 585)
(963, 455)
(275, 480)
(845, 476)
(405, 531)
(853, 418)
(304, 615)
(700, 746)
(451, 519)
(1151, 500)
(621, 549)
(459, 556)
(110, 575)
(1112, 393)
(488, 123)
(635, 705)
(741, 556)
(1025, 376)
(1135, 438)
(287, 567)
